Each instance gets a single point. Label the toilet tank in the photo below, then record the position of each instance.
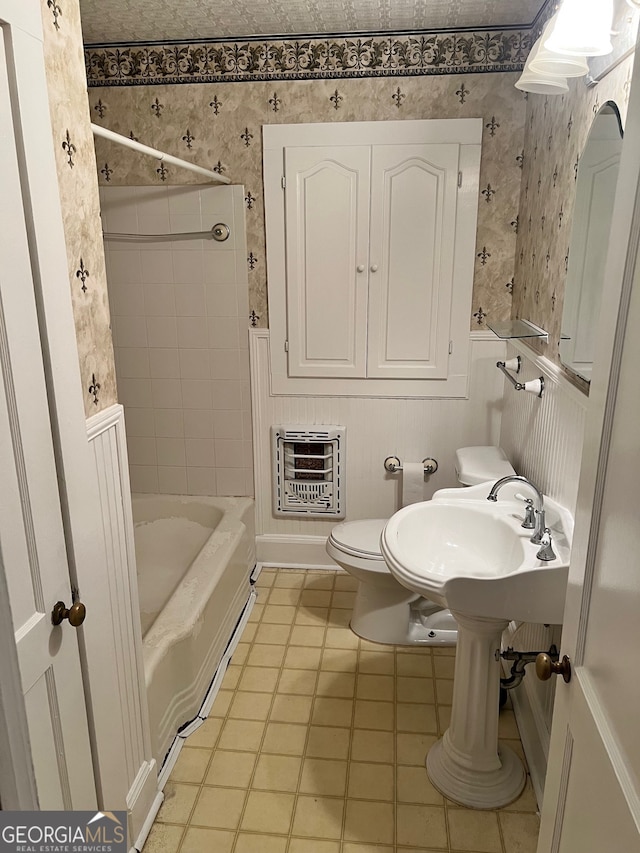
(481, 464)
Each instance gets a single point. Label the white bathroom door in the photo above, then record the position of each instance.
(592, 792)
(33, 555)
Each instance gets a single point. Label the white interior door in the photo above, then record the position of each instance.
(32, 543)
(592, 791)
(327, 228)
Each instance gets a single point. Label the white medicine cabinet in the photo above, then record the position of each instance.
(371, 232)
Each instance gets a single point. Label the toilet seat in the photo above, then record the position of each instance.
(361, 540)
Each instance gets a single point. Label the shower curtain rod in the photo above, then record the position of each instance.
(158, 238)
(156, 153)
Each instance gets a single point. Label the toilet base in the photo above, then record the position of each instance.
(396, 616)
(436, 628)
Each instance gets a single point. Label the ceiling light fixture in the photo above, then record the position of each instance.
(538, 82)
(545, 61)
(582, 28)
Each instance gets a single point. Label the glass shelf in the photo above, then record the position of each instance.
(509, 329)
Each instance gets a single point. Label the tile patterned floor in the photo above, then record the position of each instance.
(316, 743)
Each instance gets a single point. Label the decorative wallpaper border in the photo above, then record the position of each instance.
(334, 57)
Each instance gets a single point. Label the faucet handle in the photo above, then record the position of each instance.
(529, 522)
(546, 551)
(520, 497)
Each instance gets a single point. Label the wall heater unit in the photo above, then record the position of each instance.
(308, 470)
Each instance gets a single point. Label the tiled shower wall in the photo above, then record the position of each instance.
(179, 311)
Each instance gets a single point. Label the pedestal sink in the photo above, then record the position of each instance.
(474, 557)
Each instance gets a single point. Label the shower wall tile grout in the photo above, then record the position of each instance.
(180, 317)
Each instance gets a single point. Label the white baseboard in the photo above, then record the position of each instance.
(146, 828)
(535, 740)
(292, 551)
(143, 802)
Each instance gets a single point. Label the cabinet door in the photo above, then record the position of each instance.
(327, 228)
(413, 219)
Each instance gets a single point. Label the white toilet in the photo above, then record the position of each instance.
(384, 611)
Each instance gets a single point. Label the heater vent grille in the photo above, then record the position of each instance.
(308, 470)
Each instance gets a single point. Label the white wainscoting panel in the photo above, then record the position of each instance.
(376, 427)
(543, 439)
(138, 776)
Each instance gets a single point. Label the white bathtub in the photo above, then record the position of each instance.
(194, 557)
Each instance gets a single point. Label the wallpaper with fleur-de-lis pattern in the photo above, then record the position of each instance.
(219, 126)
(556, 130)
(76, 167)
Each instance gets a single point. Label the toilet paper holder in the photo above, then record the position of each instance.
(392, 464)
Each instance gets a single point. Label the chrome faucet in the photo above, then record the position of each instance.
(538, 504)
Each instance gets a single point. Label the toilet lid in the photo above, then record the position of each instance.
(359, 538)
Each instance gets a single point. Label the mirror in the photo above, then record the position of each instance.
(595, 193)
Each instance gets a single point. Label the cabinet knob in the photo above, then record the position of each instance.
(360, 267)
(374, 267)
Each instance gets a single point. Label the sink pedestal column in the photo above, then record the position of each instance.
(467, 764)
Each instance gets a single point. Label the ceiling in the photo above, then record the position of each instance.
(119, 21)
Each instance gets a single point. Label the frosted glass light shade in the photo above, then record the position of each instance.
(541, 84)
(536, 81)
(556, 64)
(583, 28)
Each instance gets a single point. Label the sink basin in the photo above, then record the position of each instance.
(473, 556)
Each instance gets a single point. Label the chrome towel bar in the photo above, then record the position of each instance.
(533, 386)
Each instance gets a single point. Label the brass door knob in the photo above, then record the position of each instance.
(75, 614)
(546, 667)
